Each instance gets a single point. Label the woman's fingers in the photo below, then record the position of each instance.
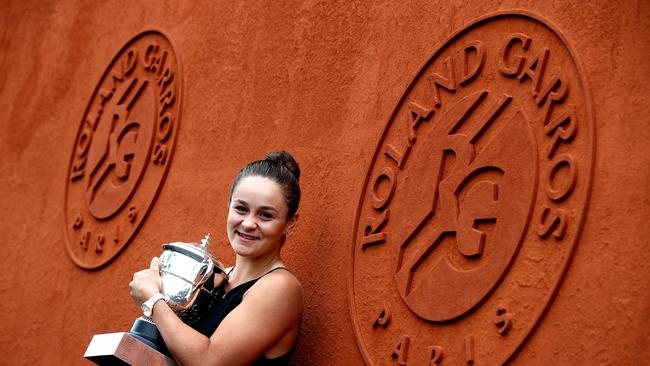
(220, 268)
(145, 283)
(155, 264)
(220, 278)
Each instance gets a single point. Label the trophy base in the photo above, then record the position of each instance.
(145, 330)
(124, 349)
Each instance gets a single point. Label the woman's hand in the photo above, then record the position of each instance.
(146, 283)
(220, 276)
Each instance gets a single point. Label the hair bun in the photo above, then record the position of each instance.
(286, 160)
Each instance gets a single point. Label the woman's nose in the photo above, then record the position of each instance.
(249, 222)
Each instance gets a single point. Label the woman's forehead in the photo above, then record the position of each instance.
(259, 191)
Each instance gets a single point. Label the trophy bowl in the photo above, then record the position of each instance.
(184, 269)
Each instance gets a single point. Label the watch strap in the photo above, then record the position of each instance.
(149, 304)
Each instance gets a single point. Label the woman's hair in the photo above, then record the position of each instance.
(280, 167)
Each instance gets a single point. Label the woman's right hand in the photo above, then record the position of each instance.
(220, 276)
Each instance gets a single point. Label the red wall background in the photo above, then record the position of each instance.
(320, 79)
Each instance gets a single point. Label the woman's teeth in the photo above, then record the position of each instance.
(249, 237)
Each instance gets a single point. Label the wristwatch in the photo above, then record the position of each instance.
(147, 306)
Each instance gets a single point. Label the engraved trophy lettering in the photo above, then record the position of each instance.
(184, 270)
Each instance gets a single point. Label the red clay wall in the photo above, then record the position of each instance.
(322, 80)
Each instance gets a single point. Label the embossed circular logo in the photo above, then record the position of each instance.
(123, 149)
(475, 198)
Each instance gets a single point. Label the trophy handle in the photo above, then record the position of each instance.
(208, 271)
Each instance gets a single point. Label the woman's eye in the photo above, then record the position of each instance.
(240, 209)
(266, 215)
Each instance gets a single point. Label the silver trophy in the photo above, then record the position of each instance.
(184, 270)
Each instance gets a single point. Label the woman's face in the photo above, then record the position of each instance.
(257, 217)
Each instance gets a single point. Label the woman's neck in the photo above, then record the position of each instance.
(247, 268)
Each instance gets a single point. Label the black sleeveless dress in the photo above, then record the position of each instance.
(227, 302)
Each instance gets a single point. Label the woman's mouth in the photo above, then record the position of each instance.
(246, 236)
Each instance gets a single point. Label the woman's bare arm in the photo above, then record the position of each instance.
(269, 310)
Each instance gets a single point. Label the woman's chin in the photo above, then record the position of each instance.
(243, 247)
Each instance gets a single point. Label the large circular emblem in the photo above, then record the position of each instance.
(123, 149)
(475, 198)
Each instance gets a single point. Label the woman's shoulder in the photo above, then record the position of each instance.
(279, 284)
(280, 277)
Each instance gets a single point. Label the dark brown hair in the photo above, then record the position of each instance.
(280, 167)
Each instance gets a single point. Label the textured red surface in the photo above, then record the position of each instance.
(477, 192)
(320, 79)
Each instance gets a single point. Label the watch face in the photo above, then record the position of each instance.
(146, 309)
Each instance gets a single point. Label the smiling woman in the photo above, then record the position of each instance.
(257, 318)
(258, 216)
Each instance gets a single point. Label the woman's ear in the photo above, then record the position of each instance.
(290, 224)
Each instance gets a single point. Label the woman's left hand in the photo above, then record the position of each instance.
(146, 283)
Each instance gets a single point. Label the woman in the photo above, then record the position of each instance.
(258, 319)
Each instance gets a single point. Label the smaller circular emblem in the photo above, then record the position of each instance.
(475, 198)
(123, 149)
